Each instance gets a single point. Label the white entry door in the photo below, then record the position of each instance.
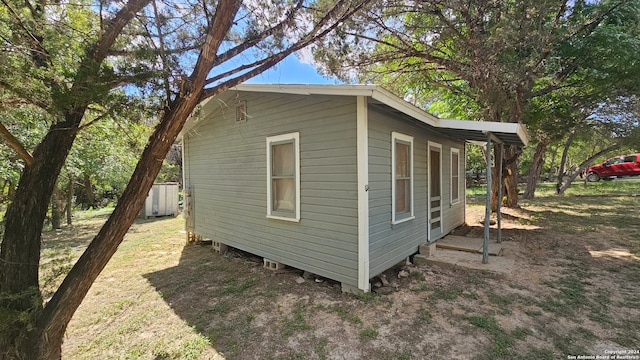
(434, 184)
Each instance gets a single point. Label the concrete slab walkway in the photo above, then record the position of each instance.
(468, 244)
(459, 251)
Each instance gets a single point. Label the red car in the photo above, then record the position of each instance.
(618, 166)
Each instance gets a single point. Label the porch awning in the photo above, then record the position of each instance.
(478, 131)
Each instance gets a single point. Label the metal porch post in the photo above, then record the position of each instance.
(499, 240)
(487, 216)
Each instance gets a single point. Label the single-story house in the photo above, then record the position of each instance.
(343, 181)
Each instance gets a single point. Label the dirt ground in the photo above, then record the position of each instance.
(575, 291)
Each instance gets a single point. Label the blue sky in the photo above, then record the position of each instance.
(292, 71)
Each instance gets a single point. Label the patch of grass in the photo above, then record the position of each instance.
(416, 275)
(369, 297)
(399, 356)
(628, 334)
(599, 309)
(503, 341)
(194, 347)
(533, 312)
(320, 348)
(423, 316)
(293, 356)
(340, 311)
(570, 298)
(222, 308)
(420, 286)
(295, 323)
(521, 333)
(249, 318)
(474, 279)
(536, 354)
(368, 334)
(517, 286)
(238, 288)
(568, 344)
(447, 294)
(585, 333)
(501, 300)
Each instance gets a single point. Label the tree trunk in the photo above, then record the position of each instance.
(554, 155)
(47, 335)
(535, 169)
(88, 189)
(69, 199)
(24, 220)
(563, 160)
(510, 173)
(56, 213)
(2, 190)
(509, 178)
(584, 165)
(11, 191)
(20, 295)
(51, 325)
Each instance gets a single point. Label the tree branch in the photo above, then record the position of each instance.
(270, 61)
(24, 95)
(16, 145)
(259, 37)
(115, 26)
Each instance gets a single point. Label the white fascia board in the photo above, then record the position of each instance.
(523, 134)
(308, 89)
(479, 125)
(401, 105)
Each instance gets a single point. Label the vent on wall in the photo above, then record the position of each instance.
(241, 111)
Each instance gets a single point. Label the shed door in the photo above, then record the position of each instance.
(434, 190)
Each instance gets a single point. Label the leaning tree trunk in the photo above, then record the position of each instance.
(47, 336)
(535, 170)
(584, 165)
(45, 339)
(24, 220)
(563, 160)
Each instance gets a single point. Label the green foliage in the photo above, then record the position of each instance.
(295, 323)
(369, 334)
(558, 67)
(16, 320)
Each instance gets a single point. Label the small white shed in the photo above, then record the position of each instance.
(161, 201)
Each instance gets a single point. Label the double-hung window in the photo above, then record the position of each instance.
(283, 177)
(455, 176)
(402, 183)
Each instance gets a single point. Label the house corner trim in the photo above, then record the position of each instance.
(363, 193)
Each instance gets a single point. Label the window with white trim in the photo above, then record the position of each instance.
(402, 183)
(455, 176)
(283, 177)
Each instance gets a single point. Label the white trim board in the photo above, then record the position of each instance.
(363, 193)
